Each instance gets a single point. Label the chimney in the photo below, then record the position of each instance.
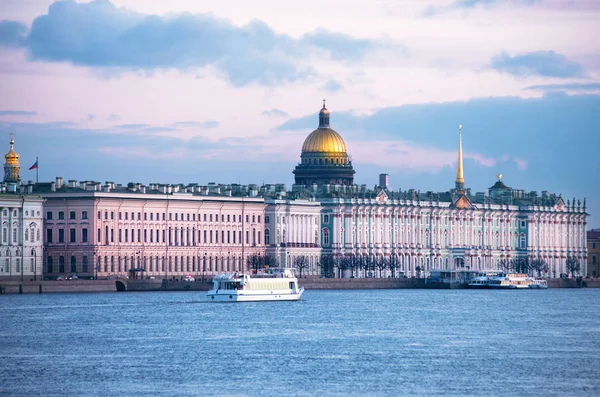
(52, 186)
(59, 182)
(72, 183)
(384, 181)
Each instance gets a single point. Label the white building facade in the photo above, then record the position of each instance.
(21, 243)
(292, 234)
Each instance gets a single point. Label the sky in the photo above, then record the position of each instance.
(226, 91)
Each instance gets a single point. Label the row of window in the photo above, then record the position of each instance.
(61, 215)
(175, 237)
(151, 264)
(61, 236)
(178, 216)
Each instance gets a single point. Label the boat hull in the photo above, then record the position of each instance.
(245, 296)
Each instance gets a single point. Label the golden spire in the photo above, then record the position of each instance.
(459, 173)
(460, 180)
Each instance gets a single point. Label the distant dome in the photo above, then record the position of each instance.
(12, 158)
(324, 139)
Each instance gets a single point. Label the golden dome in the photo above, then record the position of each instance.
(324, 140)
(12, 158)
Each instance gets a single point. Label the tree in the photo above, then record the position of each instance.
(254, 262)
(573, 265)
(393, 264)
(354, 264)
(381, 263)
(520, 265)
(257, 262)
(326, 264)
(301, 263)
(368, 264)
(505, 265)
(540, 266)
(343, 264)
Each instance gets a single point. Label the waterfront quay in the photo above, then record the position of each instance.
(309, 283)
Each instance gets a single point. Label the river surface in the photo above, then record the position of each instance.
(332, 343)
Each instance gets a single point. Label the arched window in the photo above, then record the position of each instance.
(26, 235)
(523, 241)
(73, 264)
(267, 237)
(61, 264)
(325, 237)
(49, 264)
(84, 264)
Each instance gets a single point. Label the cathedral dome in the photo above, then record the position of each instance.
(324, 139)
(12, 158)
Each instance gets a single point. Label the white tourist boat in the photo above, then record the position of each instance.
(481, 280)
(272, 285)
(516, 281)
(538, 283)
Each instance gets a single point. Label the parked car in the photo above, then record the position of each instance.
(72, 277)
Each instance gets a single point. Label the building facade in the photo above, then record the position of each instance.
(454, 230)
(593, 245)
(95, 230)
(21, 244)
(292, 234)
(324, 226)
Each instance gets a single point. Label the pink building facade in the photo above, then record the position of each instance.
(169, 231)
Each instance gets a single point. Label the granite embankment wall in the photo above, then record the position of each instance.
(33, 287)
(36, 287)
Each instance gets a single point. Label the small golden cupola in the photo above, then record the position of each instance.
(12, 169)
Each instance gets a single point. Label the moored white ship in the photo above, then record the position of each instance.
(516, 281)
(272, 285)
(482, 279)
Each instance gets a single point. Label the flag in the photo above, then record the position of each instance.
(34, 166)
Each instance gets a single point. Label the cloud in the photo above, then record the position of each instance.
(91, 116)
(113, 117)
(538, 63)
(332, 86)
(275, 113)
(566, 87)
(17, 113)
(196, 124)
(101, 35)
(554, 125)
(12, 33)
(131, 126)
(475, 3)
(470, 4)
(340, 45)
(521, 164)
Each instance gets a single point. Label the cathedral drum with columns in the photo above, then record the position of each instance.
(324, 159)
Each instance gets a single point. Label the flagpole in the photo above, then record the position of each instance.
(36, 170)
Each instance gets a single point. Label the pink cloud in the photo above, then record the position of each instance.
(521, 164)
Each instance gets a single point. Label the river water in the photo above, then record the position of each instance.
(332, 343)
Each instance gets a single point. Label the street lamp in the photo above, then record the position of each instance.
(96, 266)
(34, 253)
